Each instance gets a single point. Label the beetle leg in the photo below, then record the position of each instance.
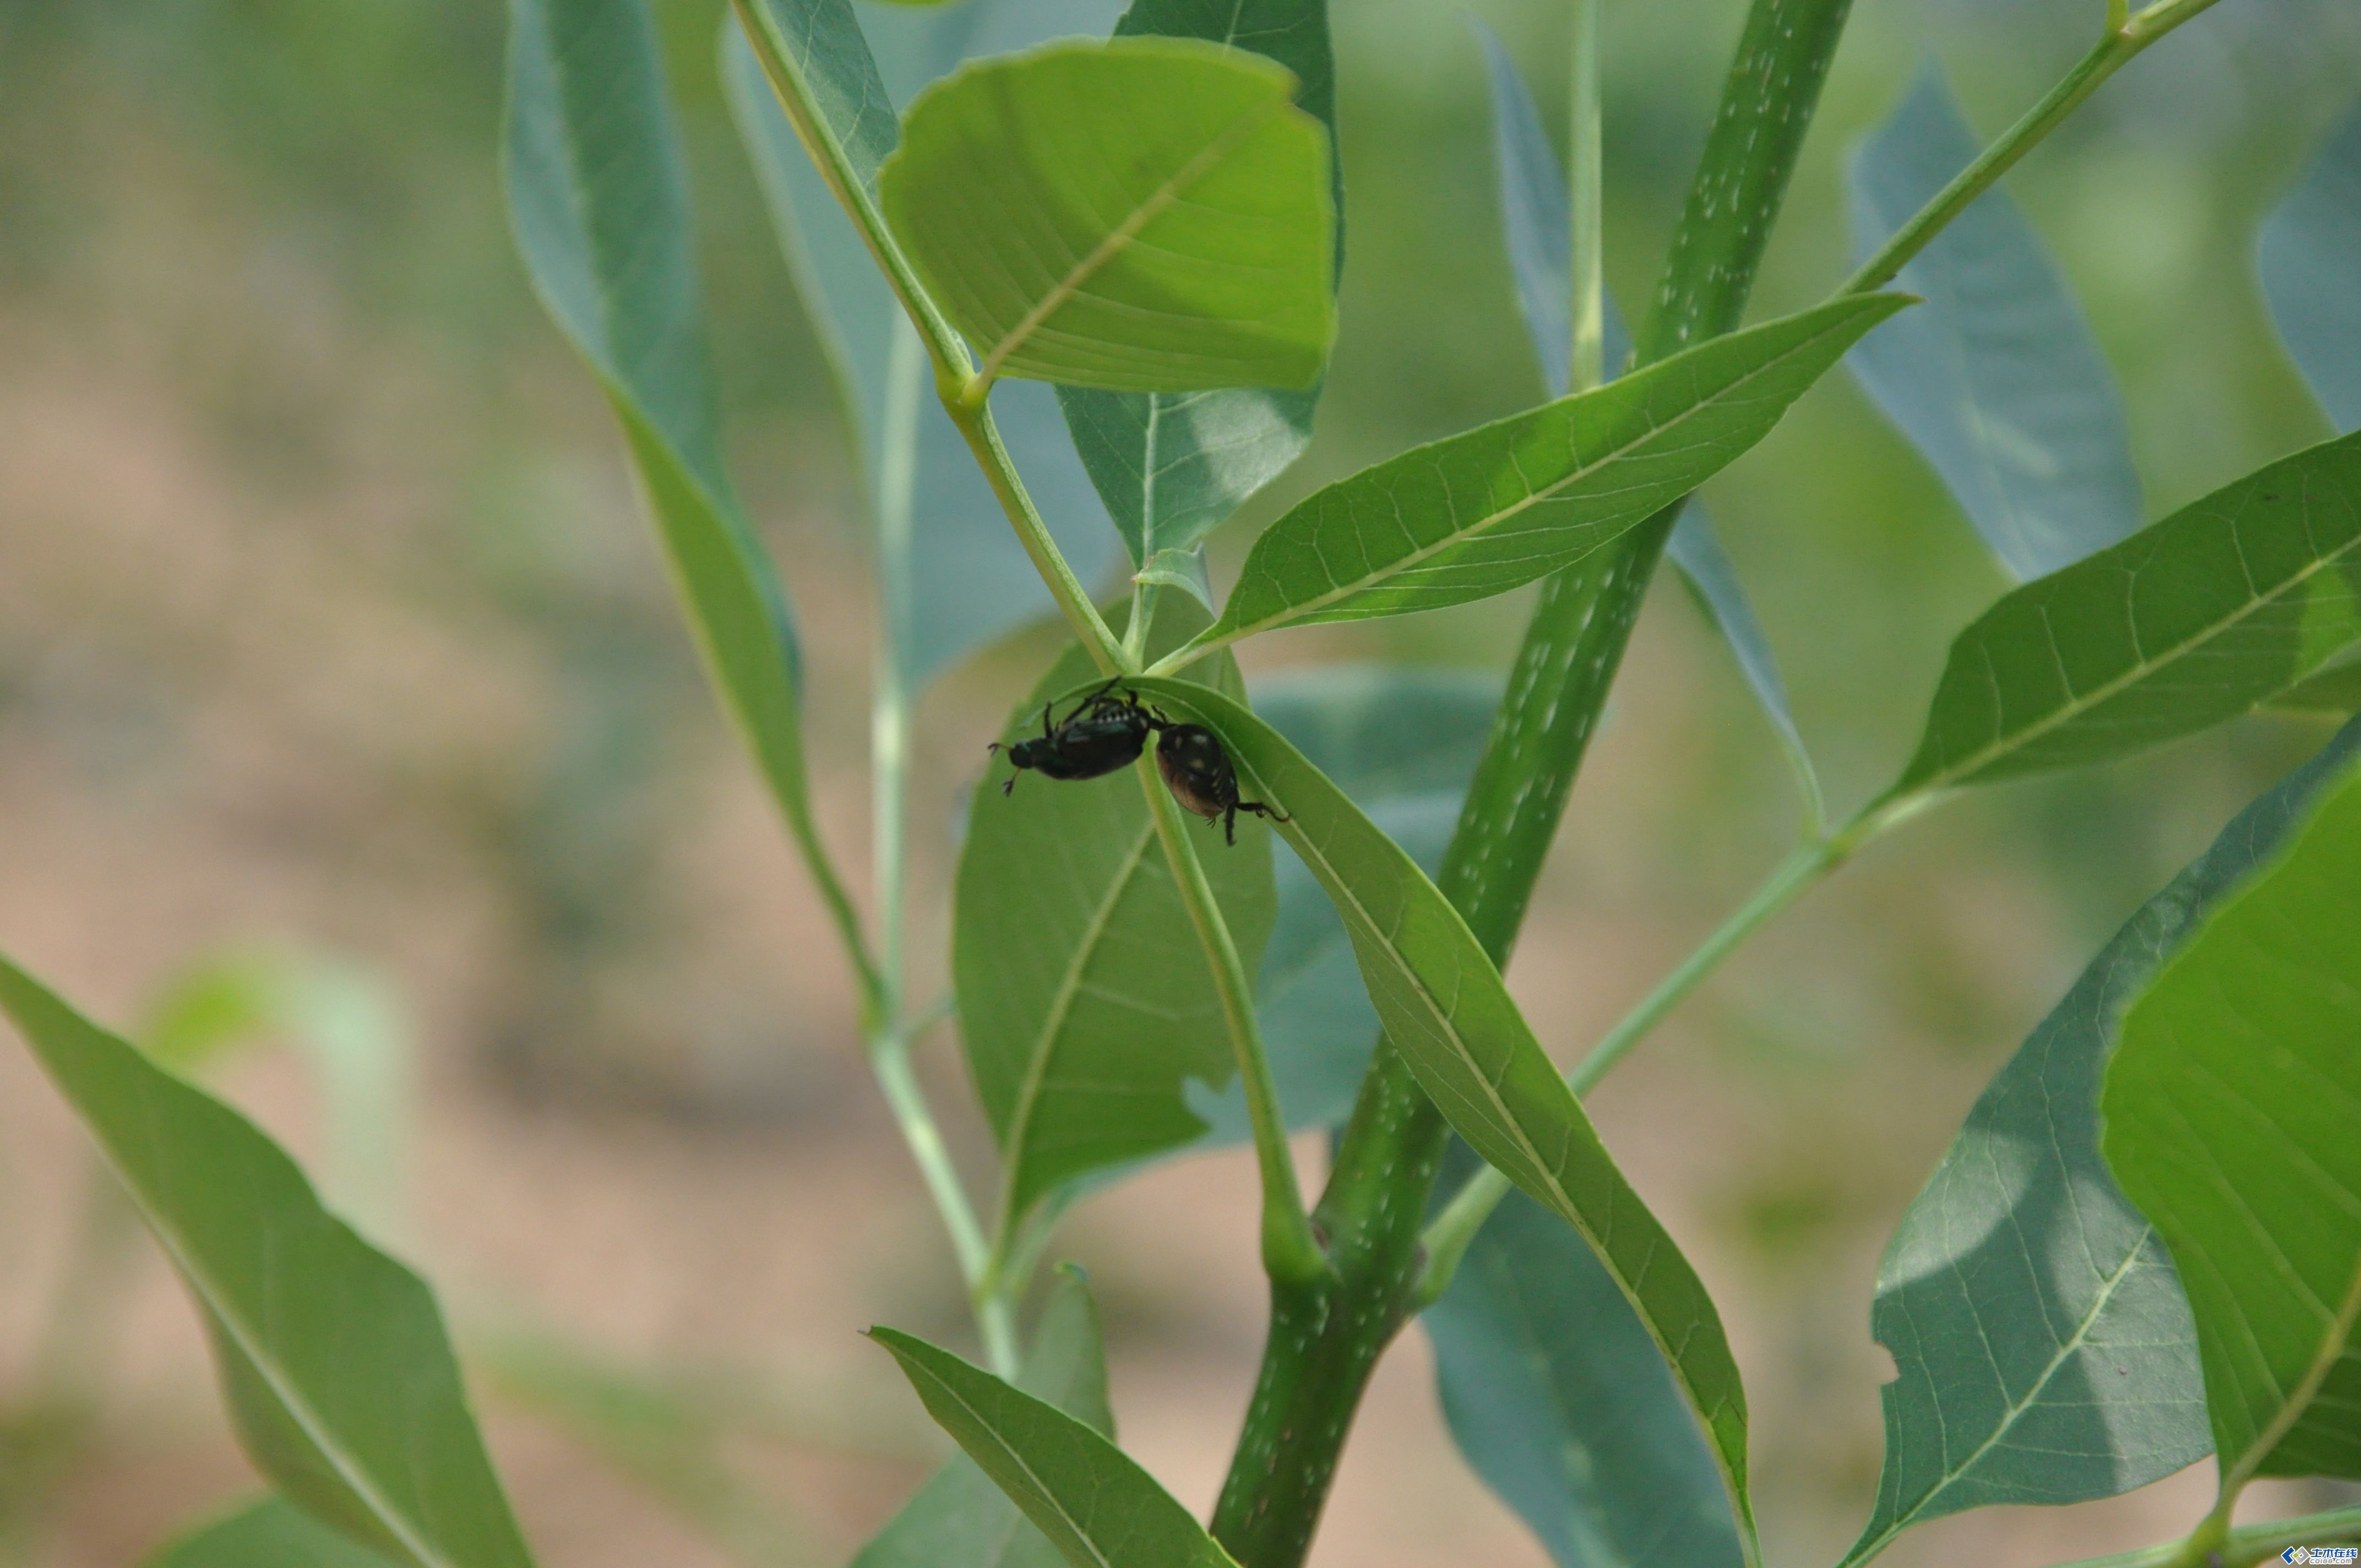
(1230, 825)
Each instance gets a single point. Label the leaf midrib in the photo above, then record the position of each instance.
(1040, 1488)
(2015, 1411)
(2106, 690)
(1119, 238)
(348, 1468)
(1298, 609)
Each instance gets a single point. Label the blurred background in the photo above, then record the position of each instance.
(328, 626)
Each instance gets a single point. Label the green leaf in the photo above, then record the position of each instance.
(1537, 218)
(1447, 1010)
(1558, 1400)
(960, 1518)
(2310, 266)
(598, 200)
(2043, 1343)
(968, 580)
(2230, 1110)
(2221, 606)
(1494, 507)
(1084, 1006)
(1403, 742)
(1145, 214)
(1098, 1508)
(1173, 465)
(268, 1534)
(333, 1358)
(1999, 382)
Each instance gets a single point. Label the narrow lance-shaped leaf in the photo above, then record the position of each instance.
(598, 200)
(1173, 465)
(1999, 381)
(2230, 1113)
(1096, 1507)
(967, 580)
(2310, 266)
(2221, 606)
(1084, 1005)
(1402, 742)
(1537, 216)
(1145, 214)
(334, 1359)
(2043, 1348)
(960, 1518)
(1494, 507)
(269, 1534)
(1447, 1010)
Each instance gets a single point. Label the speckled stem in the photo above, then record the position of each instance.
(1325, 1338)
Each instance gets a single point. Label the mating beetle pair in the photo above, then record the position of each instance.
(1107, 731)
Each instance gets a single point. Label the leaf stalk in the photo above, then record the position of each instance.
(1587, 185)
(1292, 1253)
(2126, 36)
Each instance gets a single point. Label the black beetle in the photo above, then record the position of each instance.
(1103, 733)
(1198, 773)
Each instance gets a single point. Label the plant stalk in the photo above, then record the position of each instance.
(2126, 36)
(1292, 1254)
(982, 438)
(1320, 1353)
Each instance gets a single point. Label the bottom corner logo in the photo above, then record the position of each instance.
(2308, 1554)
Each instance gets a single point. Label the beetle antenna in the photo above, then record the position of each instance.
(1008, 784)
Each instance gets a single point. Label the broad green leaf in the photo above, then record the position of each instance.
(1084, 1003)
(2310, 266)
(348, 1025)
(1401, 741)
(1145, 214)
(2230, 1111)
(269, 1534)
(960, 1518)
(1445, 1010)
(1558, 1400)
(1173, 465)
(334, 1359)
(1095, 1506)
(598, 200)
(1494, 507)
(1999, 381)
(967, 580)
(1537, 219)
(2221, 606)
(2044, 1346)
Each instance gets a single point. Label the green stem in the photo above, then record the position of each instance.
(983, 437)
(2126, 36)
(1587, 185)
(2240, 1547)
(1291, 1254)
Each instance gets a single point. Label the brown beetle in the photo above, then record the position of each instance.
(1198, 773)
